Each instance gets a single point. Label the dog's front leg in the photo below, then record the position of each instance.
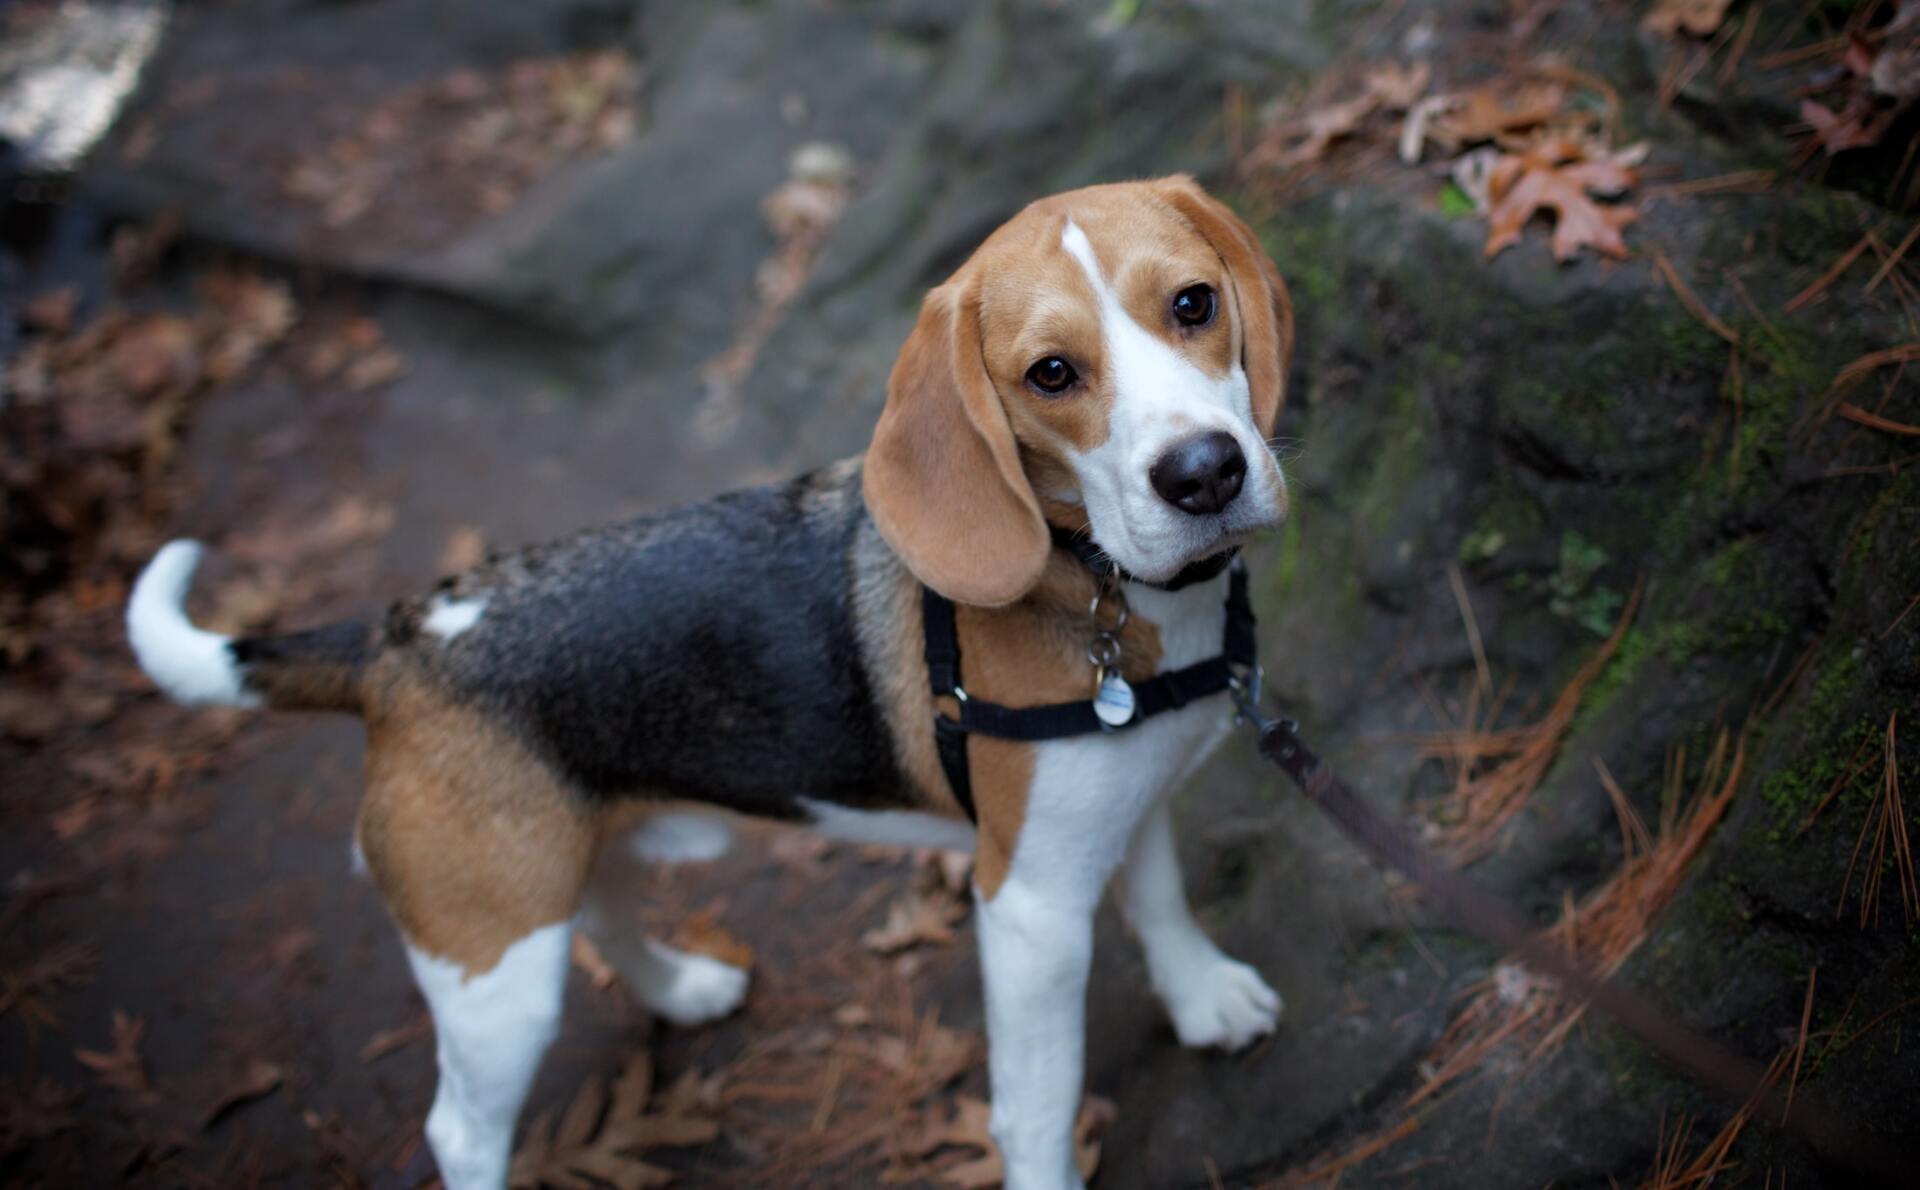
(1035, 948)
(1213, 1000)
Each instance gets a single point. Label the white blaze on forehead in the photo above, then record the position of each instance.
(1156, 390)
(448, 618)
(1160, 398)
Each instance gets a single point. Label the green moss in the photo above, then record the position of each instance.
(1286, 569)
(1583, 403)
(1794, 793)
(1835, 731)
(1686, 345)
(1898, 494)
(1439, 360)
(1719, 907)
(1784, 373)
(1681, 641)
(1621, 670)
(1401, 457)
(1301, 251)
(1510, 513)
(1730, 566)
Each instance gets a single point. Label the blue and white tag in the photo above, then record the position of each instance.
(1113, 701)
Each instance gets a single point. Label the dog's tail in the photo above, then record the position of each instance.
(318, 670)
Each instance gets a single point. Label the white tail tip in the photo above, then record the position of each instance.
(192, 665)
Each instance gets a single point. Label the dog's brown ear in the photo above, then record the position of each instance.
(943, 478)
(1260, 296)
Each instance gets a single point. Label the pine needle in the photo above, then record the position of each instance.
(1602, 930)
(1893, 261)
(1886, 822)
(1691, 300)
(1830, 276)
(1484, 805)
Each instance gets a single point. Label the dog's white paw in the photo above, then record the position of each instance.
(1220, 1002)
(702, 989)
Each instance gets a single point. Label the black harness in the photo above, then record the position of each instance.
(1238, 660)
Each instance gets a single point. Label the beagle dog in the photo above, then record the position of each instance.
(1107, 367)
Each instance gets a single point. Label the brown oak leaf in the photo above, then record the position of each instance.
(1698, 17)
(120, 1064)
(1562, 174)
(918, 917)
(601, 1136)
(1489, 113)
(1307, 139)
(1858, 125)
(966, 1127)
(258, 1079)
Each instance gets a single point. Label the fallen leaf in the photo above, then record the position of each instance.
(52, 312)
(247, 603)
(388, 1041)
(1312, 135)
(34, 1112)
(260, 1078)
(137, 249)
(1858, 125)
(1560, 175)
(967, 1127)
(702, 933)
(914, 919)
(466, 548)
(1398, 87)
(950, 870)
(28, 715)
(64, 965)
(600, 1137)
(1876, 85)
(383, 365)
(120, 1065)
(1698, 17)
(587, 957)
(1473, 173)
(1489, 113)
(1413, 130)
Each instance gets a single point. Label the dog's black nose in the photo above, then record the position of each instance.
(1201, 475)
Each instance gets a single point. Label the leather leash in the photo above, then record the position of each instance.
(1741, 1079)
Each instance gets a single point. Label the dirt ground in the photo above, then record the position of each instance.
(357, 292)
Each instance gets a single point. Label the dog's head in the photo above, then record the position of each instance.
(1111, 358)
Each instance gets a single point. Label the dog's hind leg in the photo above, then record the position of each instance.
(686, 989)
(490, 1031)
(480, 854)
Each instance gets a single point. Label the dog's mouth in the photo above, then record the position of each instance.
(1211, 553)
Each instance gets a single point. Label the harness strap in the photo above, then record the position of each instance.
(1162, 692)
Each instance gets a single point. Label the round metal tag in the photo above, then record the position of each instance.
(1113, 702)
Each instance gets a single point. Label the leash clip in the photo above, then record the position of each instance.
(1245, 688)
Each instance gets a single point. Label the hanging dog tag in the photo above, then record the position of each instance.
(1113, 701)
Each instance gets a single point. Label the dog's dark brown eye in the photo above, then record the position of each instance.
(1052, 375)
(1193, 306)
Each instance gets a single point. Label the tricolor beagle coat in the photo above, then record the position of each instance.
(1109, 362)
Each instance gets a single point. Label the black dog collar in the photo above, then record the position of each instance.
(1238, 658)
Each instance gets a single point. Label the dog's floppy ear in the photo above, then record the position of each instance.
(943, 478)
(1266, 310)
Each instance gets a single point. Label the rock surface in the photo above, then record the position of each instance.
(1559, 433)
